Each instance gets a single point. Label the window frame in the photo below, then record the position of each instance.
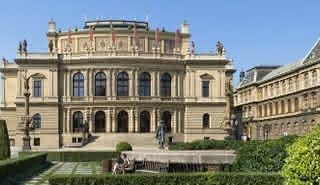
(37, 89)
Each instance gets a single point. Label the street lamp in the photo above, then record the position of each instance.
(27, 119)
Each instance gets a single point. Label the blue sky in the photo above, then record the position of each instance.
(253, 32)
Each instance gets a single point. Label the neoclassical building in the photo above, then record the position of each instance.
(121, 77)
(274, 101)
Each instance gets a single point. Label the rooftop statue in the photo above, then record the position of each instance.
(50, 45)
(25, 46)
(160, 134)
(220, 48)
(20, 47)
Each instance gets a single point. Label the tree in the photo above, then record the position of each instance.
(302, 167)
(4, 141)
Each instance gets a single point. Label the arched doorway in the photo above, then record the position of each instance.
(123, 121)
(144, 121)
(166, 117)
(99, 124)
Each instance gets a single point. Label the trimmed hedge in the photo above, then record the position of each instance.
(123, 146)
(208, 145)
(11, 167)
(303, 163)
(263, 156)
(77, 156)
(4, 141)
(170, 179)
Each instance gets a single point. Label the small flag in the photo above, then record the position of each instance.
(91, 33)
(136, 36)
(177, 40)
(69, 36)
(157, 36)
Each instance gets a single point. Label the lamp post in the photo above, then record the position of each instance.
(27, 119)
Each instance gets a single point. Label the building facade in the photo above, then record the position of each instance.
(275, 101)
(120, 77)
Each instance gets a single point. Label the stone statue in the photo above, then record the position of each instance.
(220, 48)
(50, 46)
(25, 46)
(20, 47)
(160, 134)
(193, 46)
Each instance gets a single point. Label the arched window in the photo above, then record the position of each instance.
(144, 84)
(145, 121)
(205, 120)
(123, 84)
(100, 82)
(165, 85)
(78, 84)
(77, 121)
(37, 120)
(166, 117)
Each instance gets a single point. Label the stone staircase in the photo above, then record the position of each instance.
(108, 141)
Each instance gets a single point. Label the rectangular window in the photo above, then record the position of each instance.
(205, 88)
(314, 77)
(37, 88)
(36, 141)
(306, 80)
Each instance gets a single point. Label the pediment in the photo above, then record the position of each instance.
(207, 76)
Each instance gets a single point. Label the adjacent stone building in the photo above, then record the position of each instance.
(273, 101)
(121, 77)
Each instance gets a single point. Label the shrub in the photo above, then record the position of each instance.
(208, 145)
(123, 146)
(4, 141)
(171, 179)
(77, 156)
(11, 167)
(262, 156)
(303, 163)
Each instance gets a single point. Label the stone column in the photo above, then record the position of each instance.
(55, 82)
(179, 84)
(131, 84)
(90, 74)
(114, 83)
(108, 81)
(69, 84)
(86, 82)
(136, 83)
(108, 120)
(173, 85)
(153, 83)
(137, 120)
(131, 120)
(157, 88)
(153, 120)
(91, 120)
(68, 121)
(113, 114)
(174, 122)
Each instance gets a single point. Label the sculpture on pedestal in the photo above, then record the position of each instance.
(160, 134)
(220, 49)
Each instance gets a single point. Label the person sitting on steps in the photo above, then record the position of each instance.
(122, 163)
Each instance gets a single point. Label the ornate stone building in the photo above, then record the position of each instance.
(121, 77)
(274, 101)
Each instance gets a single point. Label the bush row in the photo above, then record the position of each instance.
(208, 145)
(77, 156)
(263, 156)
(171, 179)
(11, 167)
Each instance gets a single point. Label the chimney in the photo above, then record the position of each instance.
(52, 26)
(242, 74)
(185, 27)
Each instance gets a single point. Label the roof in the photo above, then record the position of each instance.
(263, 73)
(116, 24)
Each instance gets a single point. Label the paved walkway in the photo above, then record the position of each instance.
(66, 168)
